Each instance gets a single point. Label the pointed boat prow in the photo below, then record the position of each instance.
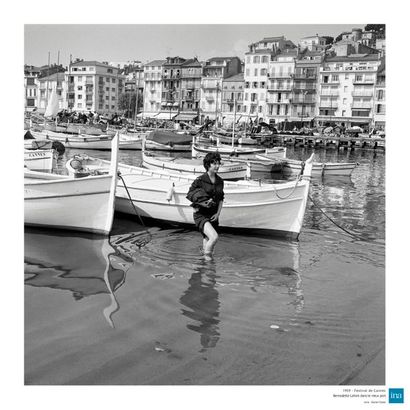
(307, 170)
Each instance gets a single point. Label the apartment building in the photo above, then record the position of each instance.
(305, 90)
(257, 65)
(46, 85)
(215, 70)
(171, 87)
(232, 99)
(280, 86)
(347, 87)
(190, 90)
(93, 86)
(379, 110)
(312, 43)
(31, 86)
(152, 88)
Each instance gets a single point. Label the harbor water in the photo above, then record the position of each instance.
(142, 307)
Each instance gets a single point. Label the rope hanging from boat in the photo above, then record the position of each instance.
(132, 203)
(335, 223)
(291, 192)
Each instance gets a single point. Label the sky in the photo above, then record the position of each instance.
(147, 42)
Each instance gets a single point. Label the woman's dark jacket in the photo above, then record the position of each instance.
(203, 189)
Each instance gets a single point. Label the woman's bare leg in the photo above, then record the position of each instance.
(212, 236)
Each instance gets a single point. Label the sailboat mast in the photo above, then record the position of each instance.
(234, 118)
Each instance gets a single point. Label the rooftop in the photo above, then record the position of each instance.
(236, 77)
(155, 63)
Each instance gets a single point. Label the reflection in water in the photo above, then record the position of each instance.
(80, 263)
(202, 300)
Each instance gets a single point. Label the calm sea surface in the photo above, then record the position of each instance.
(143, 307)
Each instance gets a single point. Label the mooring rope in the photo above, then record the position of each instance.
(334, 222)
(132, 203)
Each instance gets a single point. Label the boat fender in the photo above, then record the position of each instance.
(170, 192)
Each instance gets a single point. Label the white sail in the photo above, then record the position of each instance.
(52, 105)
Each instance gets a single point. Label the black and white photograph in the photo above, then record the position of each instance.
(204, 206)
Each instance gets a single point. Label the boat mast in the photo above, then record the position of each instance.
(234, 118)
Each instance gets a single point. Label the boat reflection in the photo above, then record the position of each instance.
(202, 300)
(80, 263)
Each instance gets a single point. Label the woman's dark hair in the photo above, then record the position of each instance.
(210, 158)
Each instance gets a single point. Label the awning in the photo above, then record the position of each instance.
(186, 116)
(164, 116)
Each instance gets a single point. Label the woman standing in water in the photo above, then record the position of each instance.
(207, 194)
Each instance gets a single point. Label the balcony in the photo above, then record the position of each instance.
(330, 82)
(305, 77)
(281, 75)
(364, 81)
(278, 88)
(275, 101)
(299, 86)
(304, 101)
(363, 105)
(329, 94)
(171, 76)
(362, 93)
(329, 105)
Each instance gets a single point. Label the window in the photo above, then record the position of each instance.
(107, 88)
(263, 71)
(265, 59)
(256, 59)
(106, 97)
(335, 78)
(113, 80)
(255, 72)
(107, 107)
(344, 113)
(79, 105)
(345, 89)
(30, 81)
(380, 109)
(344, 101)
(346, 76)
(79, 96)
(380, 95)
(247, 72)
(113, 89)
(248, 59)
(113, 98)
(80, 87)
(30, 102)
(113, 107)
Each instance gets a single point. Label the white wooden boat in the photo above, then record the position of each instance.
(194, 166)
(163, 140)
(66, 202)
(199, 150)
(249, 206)
(40, 159)
(319, 169)
(84, 141)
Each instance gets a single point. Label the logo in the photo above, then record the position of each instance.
(396, 395)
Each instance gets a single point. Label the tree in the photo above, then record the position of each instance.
(328, 39)
(379, 28)
(127, 103)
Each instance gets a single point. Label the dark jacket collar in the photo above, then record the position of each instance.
(205, 177)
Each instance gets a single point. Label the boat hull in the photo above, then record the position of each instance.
(75, 204)
(278, 209)
(234, 170)
(40, 160)
(83, 141)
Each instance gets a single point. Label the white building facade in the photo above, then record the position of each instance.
(347, 86)
(153, 72)
(93, 86)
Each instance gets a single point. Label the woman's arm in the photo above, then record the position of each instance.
(216, 216)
